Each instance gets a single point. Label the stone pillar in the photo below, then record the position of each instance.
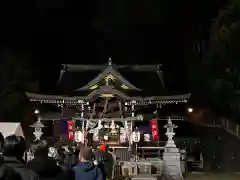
(171, 156)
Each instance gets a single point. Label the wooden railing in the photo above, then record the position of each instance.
(124, 154)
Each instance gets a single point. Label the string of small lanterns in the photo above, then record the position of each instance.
(80, 102)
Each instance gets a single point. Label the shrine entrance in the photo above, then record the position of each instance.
(108, 134)
(107, 108)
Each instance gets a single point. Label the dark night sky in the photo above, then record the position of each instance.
(89, 32)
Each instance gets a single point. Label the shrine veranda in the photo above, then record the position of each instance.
(107, 108)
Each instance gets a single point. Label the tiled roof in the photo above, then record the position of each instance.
(145, 85)
(147, 79)
(107, 71)
(149, 82)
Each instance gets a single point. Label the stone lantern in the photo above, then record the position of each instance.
(37, 126)
(170, 134)
(171, 168)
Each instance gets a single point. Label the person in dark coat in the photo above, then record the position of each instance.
(105, 160)
(46, 167)
(13, 151)
(5, 171)
(85, 169)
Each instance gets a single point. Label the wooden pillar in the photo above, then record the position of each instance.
(56, 129)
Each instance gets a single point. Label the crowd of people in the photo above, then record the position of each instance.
(41, 162)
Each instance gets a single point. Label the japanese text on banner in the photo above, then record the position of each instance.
(154, 128)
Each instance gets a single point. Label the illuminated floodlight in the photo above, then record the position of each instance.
(190, 110)
(36, 111)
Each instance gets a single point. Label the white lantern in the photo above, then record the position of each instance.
(78, 136)
(136, 136)
(147, 137)
(105, 138)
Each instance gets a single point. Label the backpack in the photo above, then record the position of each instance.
(9, 173)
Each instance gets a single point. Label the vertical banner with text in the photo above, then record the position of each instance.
(70, 130)
(154, 128)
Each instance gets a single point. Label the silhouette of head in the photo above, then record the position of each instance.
(39, 148)
(14, 146)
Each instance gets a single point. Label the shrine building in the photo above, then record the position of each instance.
(107, 103)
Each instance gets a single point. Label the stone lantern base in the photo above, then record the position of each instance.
(171, 165)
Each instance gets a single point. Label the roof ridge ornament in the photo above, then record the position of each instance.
(110, 62)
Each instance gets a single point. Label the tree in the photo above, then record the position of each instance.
(15, 79)
(223, 59)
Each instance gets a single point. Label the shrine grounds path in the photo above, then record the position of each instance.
(213, 176)
(204, 176)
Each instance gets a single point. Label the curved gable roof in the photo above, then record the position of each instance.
(106, 72)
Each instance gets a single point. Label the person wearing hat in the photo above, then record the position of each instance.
(85, 169)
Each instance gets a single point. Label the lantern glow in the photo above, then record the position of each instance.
(78, 136)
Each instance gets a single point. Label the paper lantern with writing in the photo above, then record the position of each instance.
(79, 137)
(136, 136)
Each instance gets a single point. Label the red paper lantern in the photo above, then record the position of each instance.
(154, 127)
(70, 130)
